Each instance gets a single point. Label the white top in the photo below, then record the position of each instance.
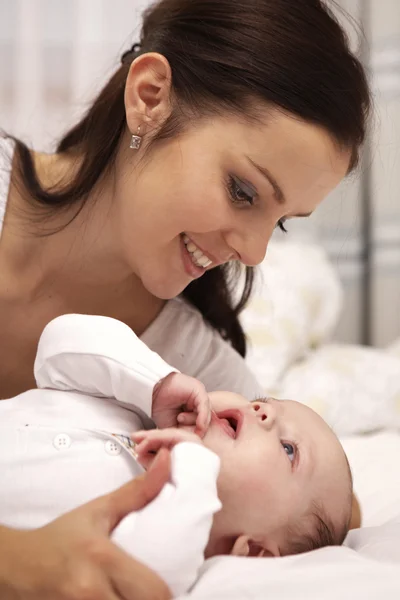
(67, 444)
(179, 333)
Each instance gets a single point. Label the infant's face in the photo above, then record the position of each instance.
(278, 458)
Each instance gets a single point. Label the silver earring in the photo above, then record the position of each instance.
(136, 140)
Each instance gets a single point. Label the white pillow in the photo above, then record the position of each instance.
(395, 348)
(374, 460)
(289, 323)
(354, 388)
(295, 307)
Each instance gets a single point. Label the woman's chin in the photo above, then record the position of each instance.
(165, 289)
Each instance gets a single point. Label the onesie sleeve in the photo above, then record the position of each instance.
(171, 533)
(98, 356)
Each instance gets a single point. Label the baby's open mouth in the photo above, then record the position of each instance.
(230, 421)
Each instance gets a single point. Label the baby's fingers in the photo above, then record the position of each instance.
(153, 440)
(203, 418)
(151, 446)
(187, 418)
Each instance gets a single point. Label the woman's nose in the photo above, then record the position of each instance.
(266, 412)
(250, 247)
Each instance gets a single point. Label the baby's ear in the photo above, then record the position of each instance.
(245, 546)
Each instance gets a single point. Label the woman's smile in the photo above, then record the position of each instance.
(194, 260)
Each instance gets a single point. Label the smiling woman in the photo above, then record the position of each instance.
(249, 113)
(227, 119)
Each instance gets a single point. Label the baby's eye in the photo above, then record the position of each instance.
(289, 449)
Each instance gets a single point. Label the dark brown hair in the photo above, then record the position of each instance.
(316, 529)
(228, 55)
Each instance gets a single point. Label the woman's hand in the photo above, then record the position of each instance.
(73, 558)
(180, 399)
(151, 442)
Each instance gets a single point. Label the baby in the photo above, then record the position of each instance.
(261, 478)
(284, 483)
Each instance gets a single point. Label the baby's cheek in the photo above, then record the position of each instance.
(250, 480)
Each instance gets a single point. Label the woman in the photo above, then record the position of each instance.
(230, 118)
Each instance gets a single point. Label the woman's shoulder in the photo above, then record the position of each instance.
(186, 341)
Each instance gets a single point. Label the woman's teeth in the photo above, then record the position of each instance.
(198, 258)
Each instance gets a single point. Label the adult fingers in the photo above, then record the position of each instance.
(134, 495)
(134, 581)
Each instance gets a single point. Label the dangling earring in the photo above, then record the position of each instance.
(136, 140)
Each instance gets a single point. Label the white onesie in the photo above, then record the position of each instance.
(68, 442)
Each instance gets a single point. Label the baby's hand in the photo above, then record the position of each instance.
(148, 443)
(180, 399)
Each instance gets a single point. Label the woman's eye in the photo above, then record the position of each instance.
(281, 225)
(240, 193)
(290, 450)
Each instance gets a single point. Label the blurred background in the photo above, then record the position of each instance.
(56, 54)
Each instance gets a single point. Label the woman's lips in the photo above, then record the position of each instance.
(191, 269)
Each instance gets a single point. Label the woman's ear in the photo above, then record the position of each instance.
(245, 546)
(147, 92)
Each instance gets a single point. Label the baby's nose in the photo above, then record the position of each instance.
(266, 411)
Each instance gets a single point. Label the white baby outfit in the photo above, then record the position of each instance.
(68, 442)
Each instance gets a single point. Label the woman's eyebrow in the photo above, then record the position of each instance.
(279, 195)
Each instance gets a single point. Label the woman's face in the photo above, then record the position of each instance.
(217, 192)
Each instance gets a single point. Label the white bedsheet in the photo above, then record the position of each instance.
(367, 568)
(327, 574)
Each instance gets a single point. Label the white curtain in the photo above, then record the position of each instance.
(55, 54)
(367, 255)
